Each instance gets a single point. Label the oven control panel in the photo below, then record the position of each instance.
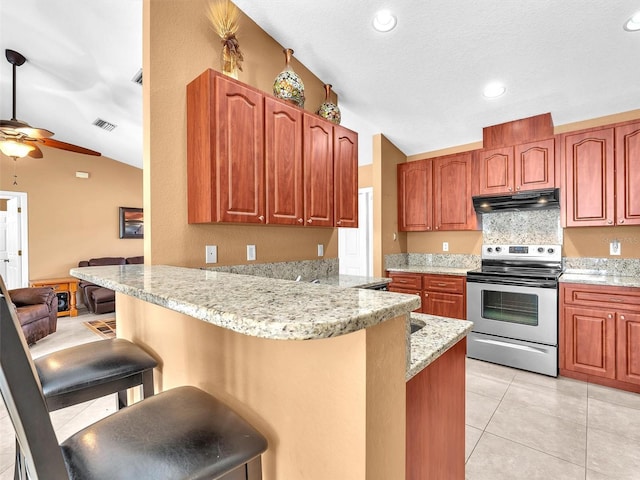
(550, 253)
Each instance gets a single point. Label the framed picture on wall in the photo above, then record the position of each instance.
(131, 223)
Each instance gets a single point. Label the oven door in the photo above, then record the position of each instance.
(513, 311)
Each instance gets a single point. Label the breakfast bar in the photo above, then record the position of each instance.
(320, 370)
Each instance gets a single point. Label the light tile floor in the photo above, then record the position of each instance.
(520, 425)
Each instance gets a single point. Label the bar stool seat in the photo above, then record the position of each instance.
(92, 370)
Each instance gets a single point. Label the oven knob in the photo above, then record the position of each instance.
(498, 249)
(550, 250)
(540, 249)
(489, 249)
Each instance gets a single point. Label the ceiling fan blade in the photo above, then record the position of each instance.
(50, 142)
(16, 127)
(36, 152)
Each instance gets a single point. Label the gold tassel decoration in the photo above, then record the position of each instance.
(223, 16)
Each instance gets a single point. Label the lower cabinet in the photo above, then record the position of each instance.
(436, 418)
(442, 295)
(600, 334)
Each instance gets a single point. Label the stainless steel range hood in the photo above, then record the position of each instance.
(530, 200)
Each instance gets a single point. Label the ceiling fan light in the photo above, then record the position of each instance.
(384, 21)
(633, 24)
(32, 132)
(11, 148)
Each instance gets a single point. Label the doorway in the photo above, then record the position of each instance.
(14, 239)
(355, 245)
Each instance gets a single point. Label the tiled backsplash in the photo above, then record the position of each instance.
(528, 228)
(625, 267)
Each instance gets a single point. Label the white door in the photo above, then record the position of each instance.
(355, 245)
(4, 256)
(14, 257)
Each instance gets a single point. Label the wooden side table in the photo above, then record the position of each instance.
(65, 284)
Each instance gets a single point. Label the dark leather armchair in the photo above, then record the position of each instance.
(37, 310)
(99, 299)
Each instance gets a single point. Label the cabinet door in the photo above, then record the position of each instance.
(495, 170)
(345, 171)
(452, 180)
(415, 194)
(628, 347)
(535, 165)
(444, 304)
(240, 152)
(588, 164)
(590, 341)
(628, 174)
(318, 171)
(283, 163)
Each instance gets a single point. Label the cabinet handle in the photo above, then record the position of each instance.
(509, 189)
(517, 188)
(441, 284)
(261, 218)
(617, 300)
(621, 220)
(300, 220)
(426, 294)
(339, 222)
(621, 317)
(309, 221)
(609, 222)
(609, 316)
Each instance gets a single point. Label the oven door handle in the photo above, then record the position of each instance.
(511, 345)
(518, 282)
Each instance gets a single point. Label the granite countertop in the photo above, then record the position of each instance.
(353, 281)
(432, 269)
(599, 278)
(256, 306)
(435, 338)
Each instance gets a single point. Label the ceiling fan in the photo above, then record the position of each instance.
(18, 138)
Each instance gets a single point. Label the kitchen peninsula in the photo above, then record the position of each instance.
(319, 370)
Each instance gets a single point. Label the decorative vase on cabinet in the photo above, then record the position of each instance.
(328, 109)
(288, 85)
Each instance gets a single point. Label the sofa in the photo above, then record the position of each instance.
(98, 299)
(37, 310)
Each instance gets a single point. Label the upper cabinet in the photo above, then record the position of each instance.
(602, 171)
(415, 196)
(252, 158)
(528, 166)
(436, 194)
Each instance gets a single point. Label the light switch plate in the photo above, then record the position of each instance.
(320, 250)
(211, 254)
(251, 252)
(445, 246)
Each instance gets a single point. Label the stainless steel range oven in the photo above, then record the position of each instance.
(512, 301)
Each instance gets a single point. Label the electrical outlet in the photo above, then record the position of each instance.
(251, 252)
(615, 247)
(445, 246)
(211, 254)
(320, 250)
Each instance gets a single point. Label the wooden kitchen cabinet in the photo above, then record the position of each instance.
(444, 295)
(452, 191)
(345, 165)
(602, 174)
(317, 160)
(283, 163)
(415, 196)
(252, 158)
(408, 283)
(528, 166)
(628, 174)
(600, 334)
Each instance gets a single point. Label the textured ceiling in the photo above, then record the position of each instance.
(421, 84)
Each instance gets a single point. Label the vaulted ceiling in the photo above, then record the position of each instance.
(420, 84)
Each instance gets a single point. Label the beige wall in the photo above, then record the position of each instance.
(179, 45)
(73, 219)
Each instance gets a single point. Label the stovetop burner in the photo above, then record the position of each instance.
(522, 261)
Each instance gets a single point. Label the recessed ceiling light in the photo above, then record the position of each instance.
(633, 24)
(384, 21)
(494, 90)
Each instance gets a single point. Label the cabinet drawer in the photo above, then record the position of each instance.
(619, 298)
(406, 280)
(444, 305)
(408, 291)
(444, 283)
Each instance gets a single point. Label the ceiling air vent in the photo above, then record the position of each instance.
(103, 124)
(137, 78)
